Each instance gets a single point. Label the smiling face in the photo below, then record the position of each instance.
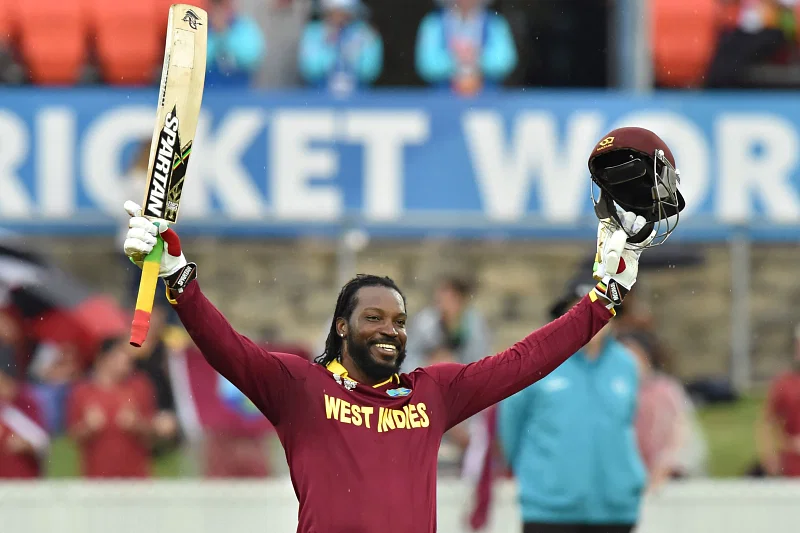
(375, 334)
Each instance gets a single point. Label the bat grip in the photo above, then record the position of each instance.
(147, 293)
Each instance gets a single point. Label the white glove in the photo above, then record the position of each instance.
(141, 238)
(616, 263)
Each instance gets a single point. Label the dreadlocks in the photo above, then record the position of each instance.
(345, 305)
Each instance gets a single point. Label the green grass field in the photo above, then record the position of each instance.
(730, 431)
(63, 461)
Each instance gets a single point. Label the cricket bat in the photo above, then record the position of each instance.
(178, 110)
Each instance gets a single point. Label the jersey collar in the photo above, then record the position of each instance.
(335, 367)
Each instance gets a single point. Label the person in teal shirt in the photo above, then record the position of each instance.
(341, 52)
(465, 47)
(236, 46)
(570, 439)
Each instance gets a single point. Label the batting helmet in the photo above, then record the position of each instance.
(635, 169)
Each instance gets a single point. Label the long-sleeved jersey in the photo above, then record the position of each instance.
(363, 458)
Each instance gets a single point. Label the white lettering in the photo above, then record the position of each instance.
(688, 145)
(15, 200)
(295, 163)
(195, 197)
(171, 125)
(505, 173)
(55, 162)
(217, 159)
(384, 135)
(106, 182)
(745, 174)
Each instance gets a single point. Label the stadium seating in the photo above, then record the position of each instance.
(684, 38)
(128, 38)
(52, 39)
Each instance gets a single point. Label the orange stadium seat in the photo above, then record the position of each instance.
(128, 39)
(52, 40)
(684, 39)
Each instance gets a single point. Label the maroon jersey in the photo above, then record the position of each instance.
(363, 458)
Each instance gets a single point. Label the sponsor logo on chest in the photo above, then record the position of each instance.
(380, 419)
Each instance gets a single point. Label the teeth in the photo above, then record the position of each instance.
(387, 347)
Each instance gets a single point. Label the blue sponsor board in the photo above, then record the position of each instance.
(408, 163)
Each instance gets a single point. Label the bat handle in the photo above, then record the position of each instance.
(147, 294)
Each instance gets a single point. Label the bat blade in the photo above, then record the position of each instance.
(180, 97)
(178, 111)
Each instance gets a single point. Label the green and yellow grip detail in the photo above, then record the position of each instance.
(147, 293)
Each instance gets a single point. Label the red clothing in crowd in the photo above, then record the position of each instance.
(22, 418)
(113, 452)
(661, 403)
(233, 443)
(783, 403)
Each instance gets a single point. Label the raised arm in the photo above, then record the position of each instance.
(263, 376)
(469, 389)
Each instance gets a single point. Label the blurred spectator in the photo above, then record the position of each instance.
(634, 314)
(341, 52)
(778, 433)
(12, 337)
(465, 46)
(236, 46)
(151, 361)
(283, 21)
(670, 439)
(483, 464)
(225, 434)
(570, 438)
(764, 28)
(54, 367)
(24, 442)
(451, 329)
(110, 416)
(237, 447)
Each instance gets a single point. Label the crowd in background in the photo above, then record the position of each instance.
(135, 403)
(466, 46)
(122, 408)
(333, 46)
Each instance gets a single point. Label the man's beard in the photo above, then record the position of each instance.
(372, 368)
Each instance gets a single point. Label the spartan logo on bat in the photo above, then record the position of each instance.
(169, 172)
(192, 18)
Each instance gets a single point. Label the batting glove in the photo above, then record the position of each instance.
(141, 238)
(616, 262)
